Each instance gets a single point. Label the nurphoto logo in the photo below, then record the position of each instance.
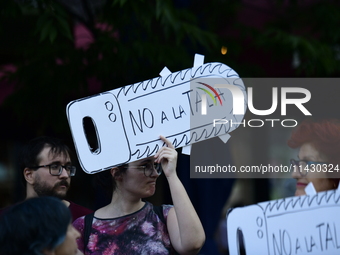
(242, 99)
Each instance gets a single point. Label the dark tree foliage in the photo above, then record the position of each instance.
(134, 40)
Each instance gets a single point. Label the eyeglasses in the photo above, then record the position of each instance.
(149, 168)
(305, 166)
(57, 169)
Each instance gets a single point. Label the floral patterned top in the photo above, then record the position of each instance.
(141, 232)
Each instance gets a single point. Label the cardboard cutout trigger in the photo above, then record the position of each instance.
(165, 72)
(224, 138)
(198, 60)
(310, 190)
(186, 150)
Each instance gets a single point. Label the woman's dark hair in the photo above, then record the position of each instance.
(34, 225)
(107, 182)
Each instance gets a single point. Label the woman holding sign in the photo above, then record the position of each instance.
(319, 155)
(129, 225)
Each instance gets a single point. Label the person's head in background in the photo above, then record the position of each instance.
(319, 154)
(38, 226)
(47, 167)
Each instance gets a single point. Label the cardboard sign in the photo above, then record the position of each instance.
(128, 121)
(302, 225)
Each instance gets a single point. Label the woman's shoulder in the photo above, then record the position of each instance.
(166, 209)
(79, 223)
(164, 206)
(161, 211)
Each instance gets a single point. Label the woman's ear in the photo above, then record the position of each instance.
(113, 171)
(116, 173)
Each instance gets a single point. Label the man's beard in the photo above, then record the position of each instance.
(43, 190)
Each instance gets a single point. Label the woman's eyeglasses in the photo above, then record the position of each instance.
(149, 168)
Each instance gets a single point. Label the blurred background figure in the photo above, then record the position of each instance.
(38, 226)
(318, 161)
(47, 169)
(319, 155)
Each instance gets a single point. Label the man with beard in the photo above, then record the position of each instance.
(47, 171)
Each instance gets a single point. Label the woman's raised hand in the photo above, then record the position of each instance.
(167, 156)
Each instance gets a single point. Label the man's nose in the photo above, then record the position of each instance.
(64, 173)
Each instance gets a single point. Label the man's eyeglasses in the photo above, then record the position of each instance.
(149, 168)
(304, 166)
(57, 169)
